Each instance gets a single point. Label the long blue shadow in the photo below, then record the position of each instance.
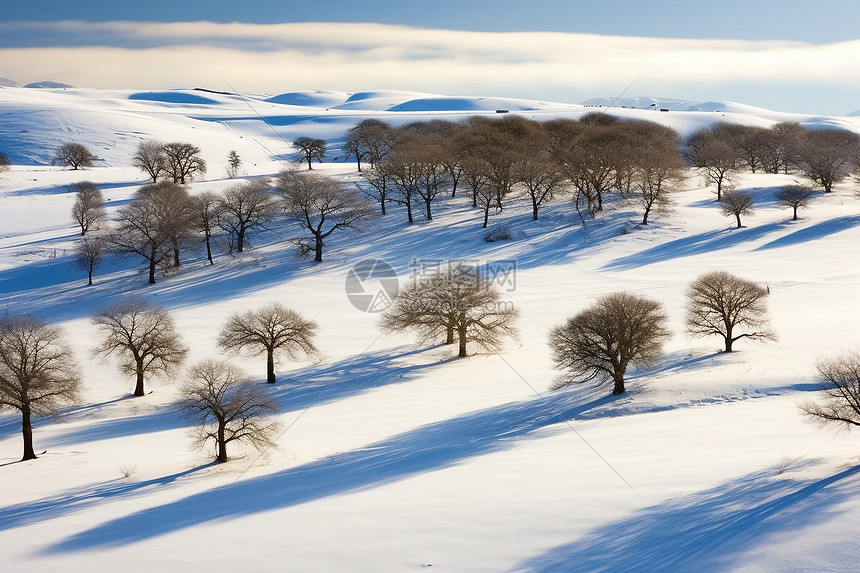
(301, 389)
(693, 245)
(424, 449)
(703, 531)
(80, 499)
(813, 232)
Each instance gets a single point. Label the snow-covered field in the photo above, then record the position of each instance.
(398, 457)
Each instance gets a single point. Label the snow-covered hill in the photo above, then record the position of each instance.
(399, 457)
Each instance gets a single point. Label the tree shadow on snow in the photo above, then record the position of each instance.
(698, 244)
(704, 531)
(425, 449)
(80, 499)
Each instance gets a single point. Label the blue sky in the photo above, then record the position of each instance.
(789, 56)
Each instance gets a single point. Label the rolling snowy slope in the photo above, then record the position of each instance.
(400, 457)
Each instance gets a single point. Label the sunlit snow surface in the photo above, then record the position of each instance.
(399, 457)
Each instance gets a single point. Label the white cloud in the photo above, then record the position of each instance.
(351, 57)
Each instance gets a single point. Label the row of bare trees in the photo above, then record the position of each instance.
(162, 219)
(825, 155)
(499, 158)
(623, 329)
(39, 373)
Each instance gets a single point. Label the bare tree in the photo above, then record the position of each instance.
(737, 203)
(146, 225)
(233, 164)
(182, 162)
(380, 180)
(150, 157)
(226, 407)
(4, 162)
(245, 207)
(370, 140)
(271, 330)
(310, 148)
(88, 209)
(657, 167)
(840, 384)
(601, 342)
(89, 254)
(794, 197)
(827, 155)
(713, 156)
(459, 304)
(320, 204)
(720, 303)
(74, 155)
(144, 339)
(206, 212)
(38, 372)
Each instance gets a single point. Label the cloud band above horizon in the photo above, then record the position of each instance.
(275, 58)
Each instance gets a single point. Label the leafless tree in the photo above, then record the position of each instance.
(149, 225)
(737, 203)
(538, 172)
(780, 145)
(4, 162)
(840, 384)
(370, 140)
(226, 406)
(720, 303)
(380, 181)
(89, 254)
(74, 155)
(150, 157)
(457, 303)
(182, 162)
(601, 342)
(657, 166)
(794, 197)
(233, 164)
(310, 148)
(144, 338)
(713, 156)
(826, 156)
(88, 209)
(206, 212)
(38, 372)
(245, 207)
(748, 141)
(320, 204)
(271, 330)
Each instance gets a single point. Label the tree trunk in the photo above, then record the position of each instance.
(138, 386)
(209, 247)
(176, 262)
(89, 278)
(645, 217)
(240, 240)
(461, 334)
(152, 271)
(270, 366)
(534, 211)
(27, 432)
(409, 210)
(738, 217)
(222, 444)
(795, 214)
(429, 215)
(318, 249)
(486, 216)
(619, 385)
(450, 338)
